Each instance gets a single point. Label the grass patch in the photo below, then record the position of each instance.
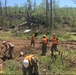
(12, 67)
(61, 65)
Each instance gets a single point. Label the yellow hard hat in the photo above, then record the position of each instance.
(33, 35)
(44, 35)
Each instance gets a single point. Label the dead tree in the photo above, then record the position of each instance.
(47, 9)
(0, 8)
(34, 5)
(29, 10)
(5, 8)
(50, 26)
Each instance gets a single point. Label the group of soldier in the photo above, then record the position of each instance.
(45, 41)
(30, 62)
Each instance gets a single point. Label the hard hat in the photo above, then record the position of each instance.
(4, 42)
(32, 34)
(25, 63)
(44, 35)
(53, 34)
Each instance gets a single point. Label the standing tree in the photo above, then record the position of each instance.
(47, 9)
(34, 5)
(1, 21)
(74, 22)
(29, 10)
(0, 8)
(5, 8)
(50, 15)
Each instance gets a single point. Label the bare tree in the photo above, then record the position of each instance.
(1, 16)
(29, 10)
(0, 8)
(34, 5)
(5, 8)
(50, 14)
(47, 9)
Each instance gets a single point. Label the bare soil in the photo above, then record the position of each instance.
(23, 45)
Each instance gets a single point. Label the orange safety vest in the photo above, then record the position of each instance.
(44, 40)
(54, 40)
(29, 59)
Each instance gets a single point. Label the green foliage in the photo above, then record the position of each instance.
(58, 65)
(74, 24)
(11, 67)
(20, 14)
(61, 65)
(56, 26)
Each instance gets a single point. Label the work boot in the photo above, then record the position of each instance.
(52, 55)
(55, 56)
(43, 54)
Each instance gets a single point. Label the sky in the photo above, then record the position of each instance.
(69, 3)
(62, 3)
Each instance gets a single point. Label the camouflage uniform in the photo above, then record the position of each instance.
(31, 69)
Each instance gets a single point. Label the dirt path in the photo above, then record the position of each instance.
(23, 45)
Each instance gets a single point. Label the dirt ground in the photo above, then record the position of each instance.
(23, 45)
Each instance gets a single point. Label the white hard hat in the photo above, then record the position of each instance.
(4, 42)
(25, 63)
(53, 34)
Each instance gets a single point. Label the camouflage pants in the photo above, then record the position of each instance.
(10, 52)
(44, 47)
(54, 48)
(32, 43)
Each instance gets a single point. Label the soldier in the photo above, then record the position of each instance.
(30, 65)
(44, 45)
(8, 48)
(54, 41)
